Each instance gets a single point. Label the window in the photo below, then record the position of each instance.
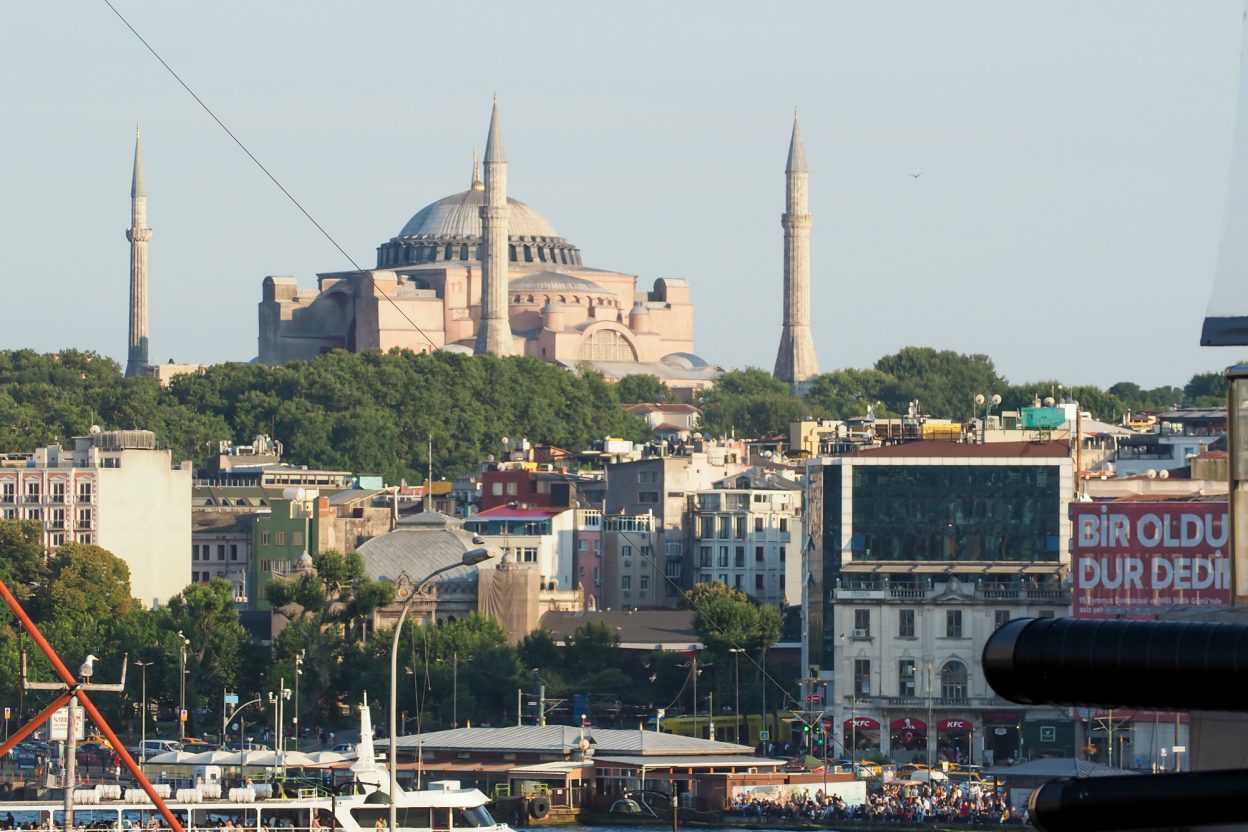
(741, 523)
(194, 551)
(34, 514)
(723, 555)
(782, 554)
(626, 582)
(266, 565)
(862, 677)
(511, 489)
(597, 576)
(647, 496)
(233, 551)
(953, 623)
(58, 491)
(673, 569)
(862, 623)
(758, 554)
(953, 680)
(905, 677)
(758, 523)
(296, 538)
(58, 538)
(646, 552)
(784, 524)
(527, 555)
(32, 491)
(10, 514)
(905, 623)
(648, 476)
(738, 581)
(264, 541)
(582, 545)
(725, 526)
(1046, 613)
(626, 551)
(84, 518)
(705, 556)
(643, 582)
(758, 581)
(85, 491)
(739, 557)
(8, 491)
(496, 489)
(723, 578)
(1000, 618)
(220, 551)
(706, 526)
(281, 538)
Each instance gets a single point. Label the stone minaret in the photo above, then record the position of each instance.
(138, 234)
(796, 362)
(494, 330)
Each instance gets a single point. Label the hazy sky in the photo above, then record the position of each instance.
(1074, 161)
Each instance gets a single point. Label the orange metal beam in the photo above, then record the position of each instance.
(71, 684)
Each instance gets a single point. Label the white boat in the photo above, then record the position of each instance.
(361, 807)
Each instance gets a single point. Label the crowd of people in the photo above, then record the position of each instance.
(895, 802)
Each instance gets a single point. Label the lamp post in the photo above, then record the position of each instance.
(988, 403)
(472, 557)
(143, 666)
(184, 643)
(736, 674)
(277, 699)
(298, 673)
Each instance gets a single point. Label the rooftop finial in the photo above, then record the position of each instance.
(477, 184)
(136, 130)
(137, 186)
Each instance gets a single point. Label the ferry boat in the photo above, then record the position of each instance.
(293, 805)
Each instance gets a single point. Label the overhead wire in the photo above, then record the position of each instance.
(787, 696)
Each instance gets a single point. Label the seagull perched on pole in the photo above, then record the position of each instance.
(88, 668)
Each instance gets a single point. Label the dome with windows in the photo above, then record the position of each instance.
(450, 230)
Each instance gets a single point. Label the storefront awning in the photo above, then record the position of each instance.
(954, 725)
(908, 723)
(861, 723)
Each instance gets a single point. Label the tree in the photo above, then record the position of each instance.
(726, 618)
(642, 388)
(846, 393)
(750, 402)
(1205, 390)
(942, 381)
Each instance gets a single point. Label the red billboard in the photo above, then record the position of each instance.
(1131, 559)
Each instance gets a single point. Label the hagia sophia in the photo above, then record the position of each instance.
(481, 272)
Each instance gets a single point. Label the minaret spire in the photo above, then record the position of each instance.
(796, 362)
(494, 329)
(476, 184)
(138, 234)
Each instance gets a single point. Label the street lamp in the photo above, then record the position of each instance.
(277, 699)
(472, 557)
(185, 642)
(736, 673)
(298, 673)
(988, 403)
(143, 666)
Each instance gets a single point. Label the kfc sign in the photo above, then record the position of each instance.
(954, 725)
(1132, 558)
(861, 723)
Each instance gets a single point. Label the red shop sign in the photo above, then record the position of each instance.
(954, 725)
(862, 723)
(908, 723)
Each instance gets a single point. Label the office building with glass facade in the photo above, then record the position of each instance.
(924, 549)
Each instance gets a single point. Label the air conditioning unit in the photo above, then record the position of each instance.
(860, 634)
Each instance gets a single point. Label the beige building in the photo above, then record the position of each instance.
(115, 489)
(426, 293)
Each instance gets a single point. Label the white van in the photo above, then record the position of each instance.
(150, 748)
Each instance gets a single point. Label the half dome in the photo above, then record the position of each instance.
(555, 282)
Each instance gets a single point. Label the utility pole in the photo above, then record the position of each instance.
(454, 688)
(184, 642)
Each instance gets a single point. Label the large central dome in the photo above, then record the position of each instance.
(459, 215)
(450, 229)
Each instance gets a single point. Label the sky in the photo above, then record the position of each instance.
(1074, 160)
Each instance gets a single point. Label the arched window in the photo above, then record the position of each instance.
(511, 253)
(607, 345)
(528, 254)
(953, 680)
(463, 251)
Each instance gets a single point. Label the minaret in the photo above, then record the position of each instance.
(494, 329)
(796, 362)
(138, 234)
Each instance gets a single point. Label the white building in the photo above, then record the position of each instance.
(115, 489)
(742, 532)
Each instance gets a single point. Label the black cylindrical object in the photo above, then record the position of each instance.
(1146, 801)
(1111, 663)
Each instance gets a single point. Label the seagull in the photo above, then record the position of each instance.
(915, 175)
(88, 667)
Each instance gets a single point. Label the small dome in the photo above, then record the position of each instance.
(555, 282)
(459, 216)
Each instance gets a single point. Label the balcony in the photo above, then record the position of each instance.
(919, 702)
(1014, 591)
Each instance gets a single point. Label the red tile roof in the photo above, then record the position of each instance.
(964, 450)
